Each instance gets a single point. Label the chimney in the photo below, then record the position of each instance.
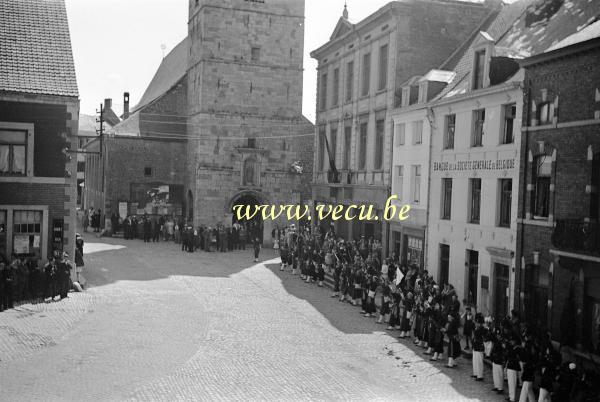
(125, 105)
(107, 104)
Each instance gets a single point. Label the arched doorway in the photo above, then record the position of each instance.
(254, 226)
(190, 206)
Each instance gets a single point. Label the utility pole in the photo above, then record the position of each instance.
(100, 132)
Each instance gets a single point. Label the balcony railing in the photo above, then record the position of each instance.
(577, 236)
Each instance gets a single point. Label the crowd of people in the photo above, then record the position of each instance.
(216, 238)
(27, 279)
(409, 300)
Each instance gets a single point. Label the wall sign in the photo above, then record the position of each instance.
(57, 233)
(474, 165)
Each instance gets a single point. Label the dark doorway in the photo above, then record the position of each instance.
(190, 206)
(501, 277)
(254, 226)
(472, 275)
(444, 263)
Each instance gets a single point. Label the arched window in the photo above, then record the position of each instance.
(251, 172)
(542, 176)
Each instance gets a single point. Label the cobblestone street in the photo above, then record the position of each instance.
(159, 324)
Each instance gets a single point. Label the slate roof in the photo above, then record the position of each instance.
(525, 28)
(590, 32)
(88, 124)
(129, 127)
(172, 68)
(35, 48)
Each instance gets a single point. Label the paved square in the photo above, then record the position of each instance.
(159, 324)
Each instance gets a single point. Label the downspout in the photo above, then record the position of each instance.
(431, 120)
(521, 232)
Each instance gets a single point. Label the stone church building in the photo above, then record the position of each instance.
(225, 108)
(245, 123)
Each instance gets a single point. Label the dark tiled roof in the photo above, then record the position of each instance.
(528, 27)
(35, 48)
(172, 68)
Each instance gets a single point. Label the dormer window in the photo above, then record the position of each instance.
(479, 69)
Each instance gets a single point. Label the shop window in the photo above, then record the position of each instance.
(27, 232)
(414, 251)
(542, 173)
(13, 153)
(450, 126)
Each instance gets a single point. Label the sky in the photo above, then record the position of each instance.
(117, 44)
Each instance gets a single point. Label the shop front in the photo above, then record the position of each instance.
(24, 231)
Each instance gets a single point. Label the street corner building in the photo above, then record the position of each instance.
(220, 124)
(361, 73)
(39, 109)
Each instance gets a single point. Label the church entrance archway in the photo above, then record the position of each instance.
(255, 226)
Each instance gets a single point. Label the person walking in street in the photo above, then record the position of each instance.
(256, 249)
(479, 337)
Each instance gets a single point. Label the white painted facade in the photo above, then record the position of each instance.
(491, 162)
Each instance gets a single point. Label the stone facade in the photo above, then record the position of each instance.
(245, 126)
(559, 237)
(399, 41)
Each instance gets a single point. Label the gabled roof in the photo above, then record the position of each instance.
(524, 28)
(35, 48)
(341, 28)
(172, 68)
(129, 127)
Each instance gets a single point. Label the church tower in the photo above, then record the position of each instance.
(244, 105)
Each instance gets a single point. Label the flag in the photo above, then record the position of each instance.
(399, 276)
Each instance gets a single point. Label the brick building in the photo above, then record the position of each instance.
(559, 204)
(245, 125)
(360, 73)
(39, 109)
